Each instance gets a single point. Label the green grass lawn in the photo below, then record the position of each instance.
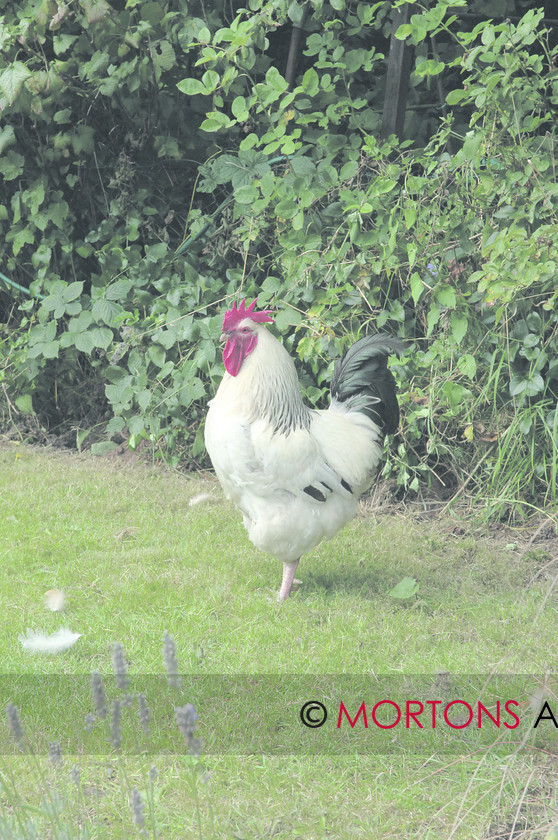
(134, 559)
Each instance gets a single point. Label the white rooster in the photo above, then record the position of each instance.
(296, 473)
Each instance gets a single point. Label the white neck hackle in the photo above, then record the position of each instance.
(267, 380)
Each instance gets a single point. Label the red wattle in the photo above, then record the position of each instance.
(233, 356)
(236, 350)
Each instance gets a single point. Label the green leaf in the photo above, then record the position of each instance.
(246, 194)
(517, 385)
(417, 287)
(296, 12)
(535, 384)
(406, 588)
(302, 165)
(11, 165)
(459, 326)
(191, 87)
(472, 145)
(274, 78)
(154, 253)
(163, 55)
(12, 79)
(152, 12)
(454, 97)
(81, 323)
(157, 354)
(287, 318)
(239, 108)
(72, 291)
(116, 374)
(310, 82)
(445, 295)
(286, 208)
(25, 403)
(50, 350)
(119, 289)
(84, 342)
(433, 317)
(210, 125)
(429, 67)
(104, 447)
(7, 138)
(63, 42)
(102, 337)
(467, 365)
(23, 237)
(403, 31)
(106, 311)
(210, 80)
(97, 10)
(167, 338)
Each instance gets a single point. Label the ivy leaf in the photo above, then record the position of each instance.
(22, 237)
(11, 165)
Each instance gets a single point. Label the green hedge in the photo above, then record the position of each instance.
(129, 131)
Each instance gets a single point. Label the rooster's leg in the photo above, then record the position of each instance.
(289, 570)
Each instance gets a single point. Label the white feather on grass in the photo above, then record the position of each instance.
(55, 600)
(55, 643)
(201, 498)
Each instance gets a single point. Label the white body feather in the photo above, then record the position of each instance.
(55, 643)
(264, 465)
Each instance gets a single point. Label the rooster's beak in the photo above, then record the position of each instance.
(223, 337)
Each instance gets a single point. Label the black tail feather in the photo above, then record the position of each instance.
(361, 379)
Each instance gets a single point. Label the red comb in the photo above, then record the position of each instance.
(235, 315)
